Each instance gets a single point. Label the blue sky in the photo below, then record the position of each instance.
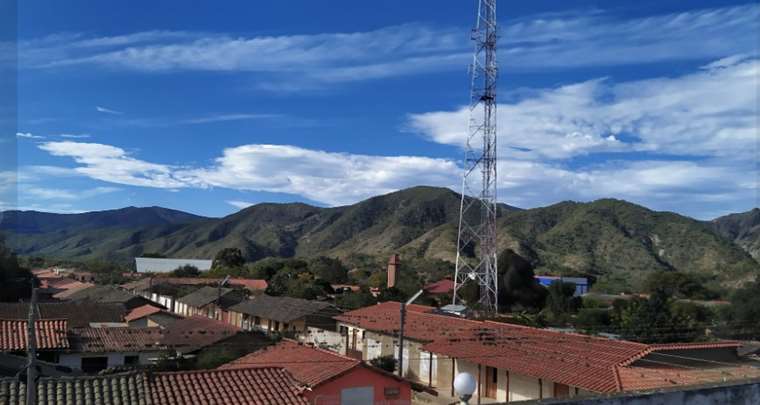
(214, 107)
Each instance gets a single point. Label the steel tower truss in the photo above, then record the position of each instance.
(476, 241)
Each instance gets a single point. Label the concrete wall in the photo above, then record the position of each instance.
(74, 360)
(740, 393)
(325, 339)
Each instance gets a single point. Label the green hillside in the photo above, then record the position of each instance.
(743, 229)
(612, 239)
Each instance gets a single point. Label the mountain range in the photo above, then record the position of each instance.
(609, 238)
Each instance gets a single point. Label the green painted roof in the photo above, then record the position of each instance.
(131, 388)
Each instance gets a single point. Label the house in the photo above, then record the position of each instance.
(149, 315)
(211, 302)
(95, 349)
(514, 362)
(581, 283)
(282, 314)
(110, 294)
(51, 337)
(251, 386)
(16, 365)
(166, 290)
(162, 265)
(191, 336)
(330, 377)
(264, 385)
(129, 388)
(77, 314)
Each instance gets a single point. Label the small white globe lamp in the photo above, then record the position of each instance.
(464, 385)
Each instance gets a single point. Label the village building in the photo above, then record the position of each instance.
(77, 314)
(94, 349)
(513, 362)
(110, 295)
(150, 316)
(283, 314)
(331, 378)
(211, 302)
(265, 385)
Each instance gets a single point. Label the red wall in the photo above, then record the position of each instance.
(329, 392)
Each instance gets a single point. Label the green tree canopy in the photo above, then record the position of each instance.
(229, 257)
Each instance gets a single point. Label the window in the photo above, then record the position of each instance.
(131, 360)
(256, 321)
(94, 364)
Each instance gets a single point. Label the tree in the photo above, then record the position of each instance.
(561, 300)
(679, 285)
(15, 281)
(517, 283)
(355, 300)
(329, 269)
(654, 321)
(741, 319)
(387, 363)
(229, 257)
(186, 271)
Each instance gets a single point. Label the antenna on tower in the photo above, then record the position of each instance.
(478, 209)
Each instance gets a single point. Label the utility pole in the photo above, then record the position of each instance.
(31, 351)
(478, 212)
(401, 332)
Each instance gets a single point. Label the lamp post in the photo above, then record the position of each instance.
(464, 385)
(401, 332)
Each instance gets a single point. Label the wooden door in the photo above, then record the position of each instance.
(492, 382)
(561, 391)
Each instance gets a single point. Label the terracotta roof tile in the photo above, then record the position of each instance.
(283, 309)
(99, 340)
(307, 364)
(98, 390)
(648, 378)
(259, 386)
(444, 286)
(141, 312)
(50, 333)
(196, 332)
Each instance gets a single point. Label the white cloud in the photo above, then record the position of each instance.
(229, 117)
(331, 178)
(113, 164)
(28, 135)
(708, 113)
(240, 204)
(293, 62)
(75, 136)
(31, 192)
(107, 110)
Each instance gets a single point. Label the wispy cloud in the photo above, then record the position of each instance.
(44, 193)
(28, 135)
(229, 117)
(75, 136)
(240, 204)
(293, 62)
(107, 110)
(708, 113)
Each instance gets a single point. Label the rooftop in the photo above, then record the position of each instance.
(255, 386)
(282, 309)
(50, 333)
(101, 340)
(78, 314)
(309, 365)
(207, 295)
(129, 388)
(141, 312)
(588, 362)
(103, 293)
(197, 332)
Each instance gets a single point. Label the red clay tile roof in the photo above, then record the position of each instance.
(251, 284)
(50, 333)
(681, 346)
(72, 289)
(197, 332)
(141, 312)
(259, 386)
(100, 340)
(444, 286)
(309, 365)
(648, 378)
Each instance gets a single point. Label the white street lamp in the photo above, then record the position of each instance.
(464, 385)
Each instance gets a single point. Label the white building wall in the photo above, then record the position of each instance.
(74, 360)
(522, 388)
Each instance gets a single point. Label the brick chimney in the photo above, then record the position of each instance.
(393, 268)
